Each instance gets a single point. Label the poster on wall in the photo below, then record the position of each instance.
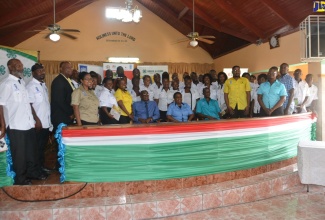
(27, 57)
(152, 70)
(128, 68)
(88, 68)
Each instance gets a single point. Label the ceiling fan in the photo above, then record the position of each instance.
(194, 37)
(56, 30)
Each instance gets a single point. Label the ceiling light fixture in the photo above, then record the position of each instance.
(126, 14)
(193, 43)
(55, 37)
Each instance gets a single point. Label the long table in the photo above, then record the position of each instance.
(168, 150)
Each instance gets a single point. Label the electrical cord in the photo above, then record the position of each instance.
(44, 200)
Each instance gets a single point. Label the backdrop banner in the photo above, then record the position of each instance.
(87, 68)
(128, 68)
(151, 70)
(27, 57)
(167, 150)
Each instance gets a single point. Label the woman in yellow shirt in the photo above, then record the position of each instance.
(124, 101)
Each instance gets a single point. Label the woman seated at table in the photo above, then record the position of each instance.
(124, 101)
(84, 101)
(179, 111)
(106, 102)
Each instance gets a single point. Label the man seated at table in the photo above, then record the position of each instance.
(145, 111)
(208, 108)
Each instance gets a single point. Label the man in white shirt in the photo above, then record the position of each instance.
(148, 87)
(39, 99)
(313, 94)
(190, 95)
(301, 93)
(157, 82)
(75, 78)
(17, 122)
(164, 97)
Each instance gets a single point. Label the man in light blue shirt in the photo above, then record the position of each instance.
(271, 95)
(179, 111)
(288, 83)
(208, 108)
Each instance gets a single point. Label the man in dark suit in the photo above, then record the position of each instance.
(61, 89)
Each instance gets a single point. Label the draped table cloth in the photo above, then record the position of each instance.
(168, 150)
(311, 162)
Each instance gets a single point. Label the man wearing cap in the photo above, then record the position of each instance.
(39, 99)
(17, 122)
(61, 90)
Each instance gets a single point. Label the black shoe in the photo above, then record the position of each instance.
(40, 177)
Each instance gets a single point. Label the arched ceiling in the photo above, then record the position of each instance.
(234, 23)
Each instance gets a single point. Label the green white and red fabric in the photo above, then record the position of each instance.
(164, 151)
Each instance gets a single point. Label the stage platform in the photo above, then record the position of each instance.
(113, 201)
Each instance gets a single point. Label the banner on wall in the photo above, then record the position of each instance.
(152, 70)
(128, 68)
(27, 57)
(87, 68)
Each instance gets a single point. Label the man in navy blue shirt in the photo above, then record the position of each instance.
(145, 111)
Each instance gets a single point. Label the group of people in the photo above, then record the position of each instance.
(27, 116)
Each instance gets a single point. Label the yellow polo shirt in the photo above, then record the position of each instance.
(126, 97)
(236, 90)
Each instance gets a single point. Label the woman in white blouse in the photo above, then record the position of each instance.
(106, 102)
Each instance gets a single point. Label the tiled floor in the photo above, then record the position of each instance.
(300, 205)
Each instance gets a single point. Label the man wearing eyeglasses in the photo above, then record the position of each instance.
(237, 94)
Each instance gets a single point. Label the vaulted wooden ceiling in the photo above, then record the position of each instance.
(234, 23)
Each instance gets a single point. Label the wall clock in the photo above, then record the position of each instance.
(274, 42)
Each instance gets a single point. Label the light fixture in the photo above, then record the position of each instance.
(123, 59)
(193, 43)
(55, 37)
(126, 14)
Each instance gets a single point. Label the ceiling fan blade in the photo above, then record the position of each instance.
(205, 40)
(211, 37)
(69, 30)
(68, 35)
(182, 40)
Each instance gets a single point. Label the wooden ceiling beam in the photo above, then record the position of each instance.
(22, 21)
(198, 21)
(284, 15)
(183, 12)
(59, 8)
(166, 10)
(12, 14)
(236, 14)
(202, 14)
